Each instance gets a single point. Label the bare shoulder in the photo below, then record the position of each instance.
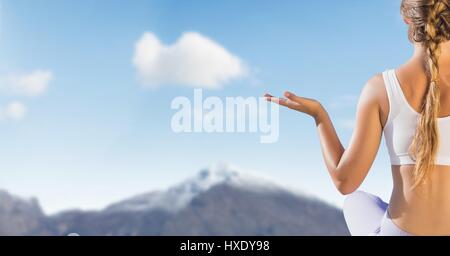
(374, 96)
(375, 84)
(374, 90)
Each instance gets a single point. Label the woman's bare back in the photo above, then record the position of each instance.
(425, 210)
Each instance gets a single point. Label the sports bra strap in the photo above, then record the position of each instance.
(394, 92)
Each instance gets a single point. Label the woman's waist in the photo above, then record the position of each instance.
(421, 215)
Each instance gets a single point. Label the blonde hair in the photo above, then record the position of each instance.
(430, 26)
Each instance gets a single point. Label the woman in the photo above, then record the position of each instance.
(411, 106)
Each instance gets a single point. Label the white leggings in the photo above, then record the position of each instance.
(367, 215)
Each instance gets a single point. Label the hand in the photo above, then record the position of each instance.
(308, 106)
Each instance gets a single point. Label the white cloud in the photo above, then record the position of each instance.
(34, 83)
(15, 111)
(193, 60)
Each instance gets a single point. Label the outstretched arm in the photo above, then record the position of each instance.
(347, 167)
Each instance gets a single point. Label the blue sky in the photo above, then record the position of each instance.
(96, 135)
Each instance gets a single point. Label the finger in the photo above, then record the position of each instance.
(267, 95)
(291, 104)
(272, 99)
(278, 101)
(285, 103)
(291, 96)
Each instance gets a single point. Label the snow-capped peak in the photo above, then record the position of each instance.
(178, 197)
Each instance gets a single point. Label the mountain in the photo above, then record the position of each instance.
(178, 197)
(220, 200)
(20, 216)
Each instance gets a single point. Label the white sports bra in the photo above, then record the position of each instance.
(401, 126)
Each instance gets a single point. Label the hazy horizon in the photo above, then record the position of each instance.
(213, 167)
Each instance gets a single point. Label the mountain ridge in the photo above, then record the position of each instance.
(176, 197)
(219, 200)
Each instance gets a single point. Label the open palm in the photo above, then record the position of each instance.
(308, 106)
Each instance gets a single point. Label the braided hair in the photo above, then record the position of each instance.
(429, 26)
